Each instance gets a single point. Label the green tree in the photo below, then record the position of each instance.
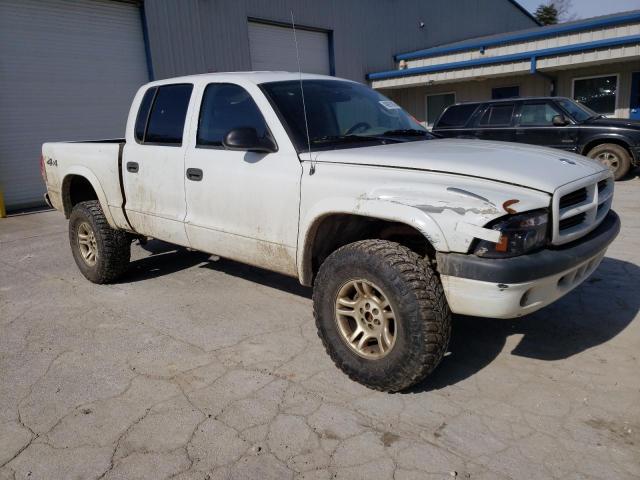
(547, 14)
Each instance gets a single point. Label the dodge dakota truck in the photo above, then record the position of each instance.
(330, 182)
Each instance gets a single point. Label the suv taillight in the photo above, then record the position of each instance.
(43, 171)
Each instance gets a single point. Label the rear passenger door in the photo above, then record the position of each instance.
(535, 126)
(496, 122)
(153, 164)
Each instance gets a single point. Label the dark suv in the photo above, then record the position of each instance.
(556, 122)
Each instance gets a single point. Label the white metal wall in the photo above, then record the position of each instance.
(68, 71)
(273, 48)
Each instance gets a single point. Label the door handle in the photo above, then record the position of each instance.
(194, 174)
(132, 167)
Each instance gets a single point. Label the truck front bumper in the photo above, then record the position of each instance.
(512, 287)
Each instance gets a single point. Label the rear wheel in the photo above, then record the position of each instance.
(381, 314)
(101, 253)
(612, 156)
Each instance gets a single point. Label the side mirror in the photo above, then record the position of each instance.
(559, 121)
(246, 139)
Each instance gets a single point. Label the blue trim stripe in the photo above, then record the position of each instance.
(519, 36)
(515, 57)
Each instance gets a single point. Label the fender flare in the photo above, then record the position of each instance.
(603, 138)
(84, 172)
(373, 208)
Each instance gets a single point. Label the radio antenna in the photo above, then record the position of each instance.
(312, 169)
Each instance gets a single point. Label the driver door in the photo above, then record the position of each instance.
(240, 205)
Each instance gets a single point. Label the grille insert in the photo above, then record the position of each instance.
(572, 221)
(573, 198)
(602, 184)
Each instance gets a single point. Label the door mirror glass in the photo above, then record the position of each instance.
(559, 121)
(246, 139)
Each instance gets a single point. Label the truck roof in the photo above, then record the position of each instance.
(252, 77)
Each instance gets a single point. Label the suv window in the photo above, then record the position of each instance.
(166, 121)
(497, 115)
(143, 113)
(538, 114)
(226, 106)
(456, 116)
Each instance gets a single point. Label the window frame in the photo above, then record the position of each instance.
(153, 103)
(591, 77)
(426, 107)
(478, 107)
(222, 147)
(512, 120)
(553, 104)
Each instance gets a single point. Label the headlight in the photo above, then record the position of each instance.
(520, 234)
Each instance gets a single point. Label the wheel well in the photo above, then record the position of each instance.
(335, 231)
(76, 189)
(594, 143)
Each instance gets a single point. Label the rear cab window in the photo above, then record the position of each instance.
(497, 115)
(456, 116)
(162, 115)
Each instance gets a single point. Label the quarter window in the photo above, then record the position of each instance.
(537, 114)
(497, 115)
(226, 106)
(597, 93)
(456, 116)
(166, 121)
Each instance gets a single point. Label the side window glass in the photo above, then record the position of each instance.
(166, 122)
(143, 114)
(537, 114)
(497, 115)
(226, 106)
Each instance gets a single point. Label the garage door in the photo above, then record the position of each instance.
(273, 48)
(68, 71)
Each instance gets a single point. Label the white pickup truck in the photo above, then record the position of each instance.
(329, 181)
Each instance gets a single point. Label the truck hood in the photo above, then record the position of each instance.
(539, 168)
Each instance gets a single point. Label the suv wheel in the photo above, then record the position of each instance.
(613, 156)
(101, 253)
(381, 314)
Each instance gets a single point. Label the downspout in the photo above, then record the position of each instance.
(546, 76)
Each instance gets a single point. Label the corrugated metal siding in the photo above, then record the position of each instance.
(272, 48)
(68, 71)
(212, 35)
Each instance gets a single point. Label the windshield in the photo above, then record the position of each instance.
(340, 114)
(579, 112)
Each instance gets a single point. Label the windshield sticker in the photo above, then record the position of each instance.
(390, 105)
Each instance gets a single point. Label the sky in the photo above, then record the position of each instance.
(590, 8)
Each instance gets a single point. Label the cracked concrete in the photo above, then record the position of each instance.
(195, 369)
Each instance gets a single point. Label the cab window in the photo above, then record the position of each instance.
(166, 120)
(497, 115)
(537, 114)
(226, 106)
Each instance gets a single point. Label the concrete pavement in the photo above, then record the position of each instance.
(195, 369)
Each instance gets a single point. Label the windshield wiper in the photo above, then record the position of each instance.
(406, 131)
(344, 138)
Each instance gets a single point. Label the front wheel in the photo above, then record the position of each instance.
(101, 253)
(613, 156)
(381, 313)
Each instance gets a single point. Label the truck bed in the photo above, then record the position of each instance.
(98, 161)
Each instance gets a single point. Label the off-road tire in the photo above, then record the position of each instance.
(417, 297)
(114, 246)
(624, 158)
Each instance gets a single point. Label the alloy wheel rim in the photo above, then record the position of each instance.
(87, 243)
(609, 160)
(365, 319)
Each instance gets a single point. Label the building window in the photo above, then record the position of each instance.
(436, 105)
(505, 92)
(597, 93)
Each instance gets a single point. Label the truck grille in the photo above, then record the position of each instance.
(579, 207)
